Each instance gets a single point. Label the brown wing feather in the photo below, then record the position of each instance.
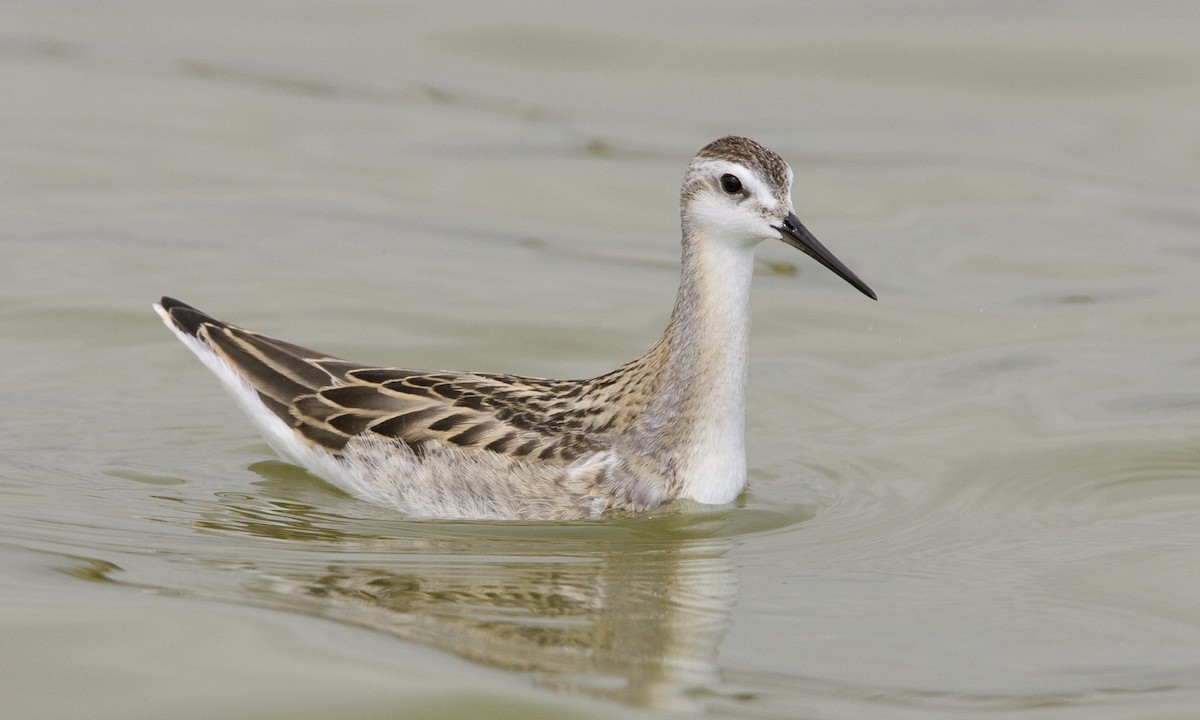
(328, 400)
(471, 411)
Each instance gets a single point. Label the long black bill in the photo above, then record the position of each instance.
(798, 236)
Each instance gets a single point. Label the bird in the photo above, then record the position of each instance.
(666, 426)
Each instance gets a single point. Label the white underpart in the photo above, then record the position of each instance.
(445, 481)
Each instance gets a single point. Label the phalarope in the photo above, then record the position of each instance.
(668, 425)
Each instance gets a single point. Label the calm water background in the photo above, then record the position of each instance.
(979, 496)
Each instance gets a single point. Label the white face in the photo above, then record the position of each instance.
(728, 203)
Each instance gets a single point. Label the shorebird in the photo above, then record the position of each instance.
(473, 445)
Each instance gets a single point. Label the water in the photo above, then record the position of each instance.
(978, 496)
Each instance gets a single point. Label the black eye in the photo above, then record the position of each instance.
(730, 184)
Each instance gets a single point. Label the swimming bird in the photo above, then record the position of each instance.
(474, 445)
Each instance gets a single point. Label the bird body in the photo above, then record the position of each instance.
(668, 425)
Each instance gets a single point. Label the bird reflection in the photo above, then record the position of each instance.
(638, 627)
(632, 610)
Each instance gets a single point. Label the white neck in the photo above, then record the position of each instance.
(706, 369)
